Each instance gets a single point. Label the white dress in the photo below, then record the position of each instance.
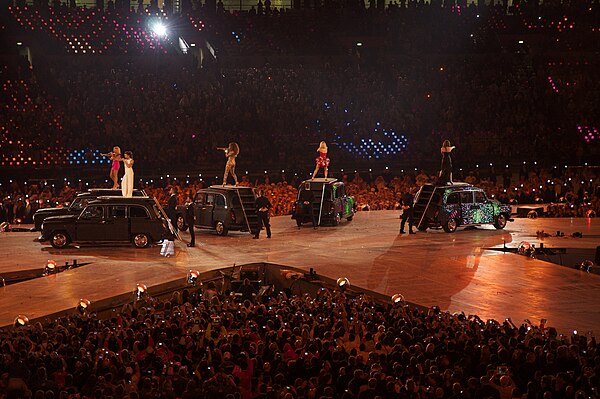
(127, 181)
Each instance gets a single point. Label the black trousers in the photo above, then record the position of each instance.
(263, 220)
(308, 210)
(407, 215)
(192, 233)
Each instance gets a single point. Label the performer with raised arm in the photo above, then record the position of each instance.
(322, 160)
(127, 181)
(115, 157)
(446, 170)
(231, 153)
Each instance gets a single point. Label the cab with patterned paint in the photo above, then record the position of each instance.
(456, 205)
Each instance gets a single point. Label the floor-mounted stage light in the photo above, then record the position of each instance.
(50, 267)
(21, 320)
(192, 277)
(586, 266)
(398, 299)
(83, 306)
(141, 291)
(343, 283)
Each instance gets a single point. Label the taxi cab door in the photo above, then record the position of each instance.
(116, 225)
(89, 223)
(466, 207)
(485, 210)
(205, 216)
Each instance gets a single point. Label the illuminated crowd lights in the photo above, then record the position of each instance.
(86, 157)
(552, 84)
(589, 133)
(84, 31)
(197, 24)
(369, 148)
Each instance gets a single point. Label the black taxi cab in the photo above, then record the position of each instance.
(79, 202)
(222, 209)
(138, 220)
(330, 206)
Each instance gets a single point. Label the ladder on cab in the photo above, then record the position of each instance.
(422, 204)
(248, 204)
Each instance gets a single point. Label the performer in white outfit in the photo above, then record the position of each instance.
(127, 181)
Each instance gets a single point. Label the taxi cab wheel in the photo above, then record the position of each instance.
(59, 239)
(500, 222)
(221, 229)
(141, 240)
(181, 226)
(349, 218)
(450, 226)
(337, 218)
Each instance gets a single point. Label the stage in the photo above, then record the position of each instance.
(453, 271)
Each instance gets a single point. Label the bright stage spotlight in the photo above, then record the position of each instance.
(83, 306)
(141, 291)
(21, 320)
(343, 283)
(50, 268)
(398, 299)
(192, 277)
(159, 29)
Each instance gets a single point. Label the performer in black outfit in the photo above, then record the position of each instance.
(189, 220)
(446, 170)
(307, 197)
(407, 214)
(263, 205)
(172, 208)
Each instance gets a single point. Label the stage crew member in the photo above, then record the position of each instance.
(189, 220)
(407, 212)
(263, 205)
(307, 198)
(172, 207)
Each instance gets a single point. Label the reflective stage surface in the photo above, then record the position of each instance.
(453, 271)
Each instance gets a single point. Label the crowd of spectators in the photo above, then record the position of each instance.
(210, 344)
(571, 192)
(426, 73)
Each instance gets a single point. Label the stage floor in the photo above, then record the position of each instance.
(453, 271)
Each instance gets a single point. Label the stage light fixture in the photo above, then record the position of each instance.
(50, 267)
(21, 320)
(141, 291)
(586, 266)
(83, 306)
(343, 283)
(192, 277)
(159, 29)
(398, 299)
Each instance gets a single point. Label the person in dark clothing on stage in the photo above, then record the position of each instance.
(407, 212)
(307, 198)
(190, 220)
(445, 176)
(263, 206)
(172, 208)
